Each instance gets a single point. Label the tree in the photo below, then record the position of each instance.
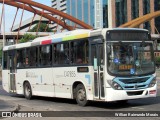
(157, 60)
(42, 28)
(27, 37)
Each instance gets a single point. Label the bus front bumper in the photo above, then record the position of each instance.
(116, 95)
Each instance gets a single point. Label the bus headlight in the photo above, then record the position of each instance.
(153, 82)
(114, 85)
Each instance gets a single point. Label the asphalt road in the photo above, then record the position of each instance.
(57, 104)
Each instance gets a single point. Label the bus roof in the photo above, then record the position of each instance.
(66, 36)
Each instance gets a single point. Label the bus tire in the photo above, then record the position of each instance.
(27, 91)
(81, 97)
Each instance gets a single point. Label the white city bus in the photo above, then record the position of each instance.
(98, 65)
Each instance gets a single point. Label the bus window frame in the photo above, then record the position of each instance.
(52, 61)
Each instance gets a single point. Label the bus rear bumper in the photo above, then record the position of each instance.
(116, 95)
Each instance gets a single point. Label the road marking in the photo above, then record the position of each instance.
(138, 108)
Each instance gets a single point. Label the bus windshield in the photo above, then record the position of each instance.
(130, 58)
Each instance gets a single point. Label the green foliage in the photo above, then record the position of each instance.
(27, 37)
(157, 60)
(42, 28)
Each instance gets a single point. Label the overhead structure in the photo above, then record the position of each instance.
(61, 19)
(138, 21)
(47, 12)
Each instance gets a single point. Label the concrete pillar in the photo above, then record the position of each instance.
(129, 16)
(111, 14)
(141, 10)
(152, 22)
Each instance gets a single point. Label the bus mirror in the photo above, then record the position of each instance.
(95, 64)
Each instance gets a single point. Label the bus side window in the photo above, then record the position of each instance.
(27, 58)
(65, 53)
(33, 56)
(72, 50)
(45, 55)
(61, 53)
(20, 58)
(5, 60)
(55, 54)
(80, 52)
(57, 50)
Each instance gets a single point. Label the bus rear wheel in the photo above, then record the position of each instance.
(27, 91)
(81, 95)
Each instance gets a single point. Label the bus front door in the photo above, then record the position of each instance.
(98, 63)
(12, 69)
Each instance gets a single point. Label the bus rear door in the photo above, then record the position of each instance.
(97, 50)
(12, 69)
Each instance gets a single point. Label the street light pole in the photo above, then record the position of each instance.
(3, 25)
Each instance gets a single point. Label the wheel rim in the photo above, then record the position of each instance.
(81, 95)
(27, 90)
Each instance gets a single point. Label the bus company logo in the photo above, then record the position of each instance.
(6, 114)
(136, 86)
(31, 75)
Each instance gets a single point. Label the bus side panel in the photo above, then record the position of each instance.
(63, 85)
(20, 78)
(44, 82)
(65, 78)
(40, 79)
(5, 80)
(55, 82)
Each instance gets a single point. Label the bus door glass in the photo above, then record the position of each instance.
(97, 62)
(12, 69)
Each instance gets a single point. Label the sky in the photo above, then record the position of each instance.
(11, 11)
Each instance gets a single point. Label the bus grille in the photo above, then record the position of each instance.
(135, 93)
(134, 81)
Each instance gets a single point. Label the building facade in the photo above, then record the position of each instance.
(61, 6)
(113, 13)
(126, 10)
(156, 8)
(92, 12)
(82, 10)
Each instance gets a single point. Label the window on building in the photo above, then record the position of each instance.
(146, 10)
(121, 12)
(135, 8)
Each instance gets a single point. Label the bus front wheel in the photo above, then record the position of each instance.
(81, 95)
(27, 91)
